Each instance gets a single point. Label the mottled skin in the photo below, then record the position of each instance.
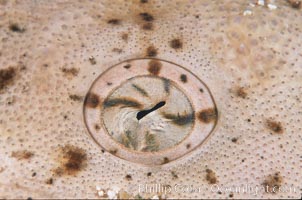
(50, 45)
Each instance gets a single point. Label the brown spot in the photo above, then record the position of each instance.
(49, 181)
(70, 71)
(148, 26)
(16, 28)
(97, 127)
(114, 21)
(144, 1)
(128, 177)
(151, 51)
(75, 97)
(127, 66)
(295, 4)
(166, 160)
(183, 78)
(211, 176)
(188, 146)
(154, 67)
(92, 60)
(176, 44)
(276, 127)
(125, 37)
(174, 175)
(208, 115)
(72, 160)
(231, 195)
(22, 155)
(201, 90)
(117, 50)
(34, 174)
(273, 183)
(7, 76)
(92, 100)
(234, 140)
(146, 17)
(180, 120)
(149, 174)
(114, 151)
(241, 92)
(128, 102)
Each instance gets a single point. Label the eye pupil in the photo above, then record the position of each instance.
(143, 113)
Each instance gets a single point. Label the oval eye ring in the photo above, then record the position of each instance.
(106, 95)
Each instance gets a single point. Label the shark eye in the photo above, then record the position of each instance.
(149, 111)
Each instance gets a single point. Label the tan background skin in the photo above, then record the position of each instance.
(252, 65)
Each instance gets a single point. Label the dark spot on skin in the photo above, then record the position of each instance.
(127, 66)
(65, 116)
(211, 176)
(176, 44)
(147, 26)
(188, 146)
(297, 4)
(16, 28)
(75, 97)
(180, 120)
(96, 127)
(234, 140)
(196, 16)
(125, 37)
(166, 160)
(114, 151)
(166, 85)
(45, 65)
(92, 100)
(117, 50)
(273, 183)
(146, 17)
(22, 155)
(70, 71)
(248, 120)
(219, 192)
(103, 151)
(208, 115)
(109, 83)
(174, 175)
(276, 127)
(127, 102)
(34, 174)
(114, 21)
(7, 76)
(154, 67)
(241, 92)
(128, 177)
(261, 157)
(151, 51)
(231, 195)
(201, 90)
(72, 160)
(144, 1)
(29, 198)
(242, 160)
(49, 181)
(183, 78)
(140, 90)
(149, 174)
(92, 60)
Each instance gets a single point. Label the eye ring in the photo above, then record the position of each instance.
(204, 108)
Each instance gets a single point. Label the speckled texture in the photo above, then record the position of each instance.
(252, 65)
